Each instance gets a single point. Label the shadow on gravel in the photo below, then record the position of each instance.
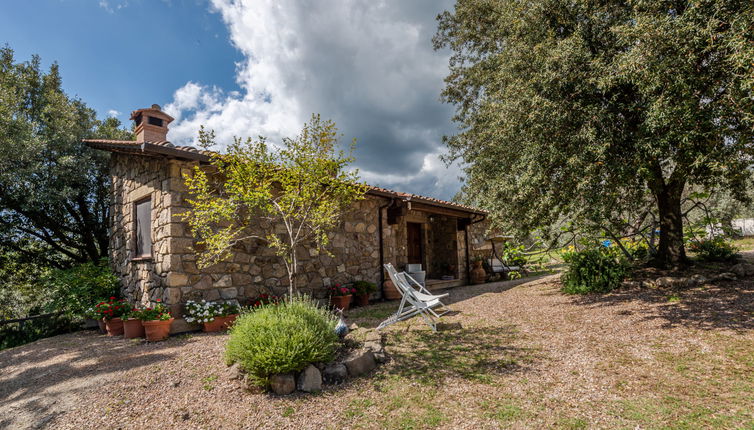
(372, 315)
(723, 305)
(39, 392)
(474, 354)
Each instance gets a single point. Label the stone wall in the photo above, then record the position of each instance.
(172, 274)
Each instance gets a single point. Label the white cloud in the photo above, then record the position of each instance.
(112, 6)
(113, 113)
(369, 65)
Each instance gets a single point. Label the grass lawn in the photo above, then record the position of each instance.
(745, 243)
(526, 357)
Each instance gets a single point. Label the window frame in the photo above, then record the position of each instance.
(135, 231)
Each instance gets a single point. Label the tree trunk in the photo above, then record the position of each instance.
(670, 251)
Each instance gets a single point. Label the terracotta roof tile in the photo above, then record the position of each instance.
(191, 153)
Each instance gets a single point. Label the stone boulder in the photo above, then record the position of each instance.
(335, 373)
(309, 380)
(742, 270)
(447, 326)
(669, 282)
(234, 372)
(725, 276)
(283, 383)
(377, 349)
(360, 362)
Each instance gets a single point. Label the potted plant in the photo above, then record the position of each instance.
(340, 296)
(156, 321)
(112, 311)
(93, 314)
(264, 300)
(478, 274)
(132, 326)
(363, 290)
(213, 316)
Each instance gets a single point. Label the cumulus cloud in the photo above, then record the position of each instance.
(369, 65)
(113, 113)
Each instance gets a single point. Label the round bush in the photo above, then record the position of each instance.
(715, 249)
(282, 338)
(595, 270)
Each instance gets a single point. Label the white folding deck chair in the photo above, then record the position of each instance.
(414, 302)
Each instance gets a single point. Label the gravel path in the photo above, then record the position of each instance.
(527, 357)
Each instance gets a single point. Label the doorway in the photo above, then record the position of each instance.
(415, 244)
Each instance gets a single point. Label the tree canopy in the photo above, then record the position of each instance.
(584, 111)
(53, 189)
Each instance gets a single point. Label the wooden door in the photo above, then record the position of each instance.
(415, 248)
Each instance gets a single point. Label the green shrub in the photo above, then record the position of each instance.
(514, 255)
(594, 270)
(76, 289)
(282, 338)
(364, 287)
(716, 249)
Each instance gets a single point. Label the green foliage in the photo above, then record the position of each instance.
(53, 188)
(282, 338)
(639, 250)
(715, 249)
(15, 334)
(156, 312)
(22, 290)
(364, 287)
(76, 289)
(513, 254)
(29, 287)
(597, 269)
(595, 113)
(303, 187)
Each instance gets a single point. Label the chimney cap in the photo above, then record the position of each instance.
(154, 111)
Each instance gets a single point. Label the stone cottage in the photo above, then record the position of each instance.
(151, 249)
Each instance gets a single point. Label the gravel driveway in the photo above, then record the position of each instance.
(527, 357)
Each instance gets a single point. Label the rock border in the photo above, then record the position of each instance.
(369, 352)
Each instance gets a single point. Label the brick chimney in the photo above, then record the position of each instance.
(151, 124)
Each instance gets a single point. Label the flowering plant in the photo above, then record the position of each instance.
(204, 311)
(159, 312)
(92, 313)
(364, 287)
(265, 299)
(341, 290)
(112, 308)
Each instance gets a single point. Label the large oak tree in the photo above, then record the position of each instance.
(582, 109)
(53, 189)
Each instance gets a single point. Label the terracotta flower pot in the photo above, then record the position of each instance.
(478, 274)
(157, 330)
(219, 323)
(102, 328)
(341, 302)
(362, 299)
(391, 293)
(114, 327)
(132, 328)
(230, 320)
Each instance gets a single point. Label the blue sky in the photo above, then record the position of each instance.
(122, 58)
(260, 67)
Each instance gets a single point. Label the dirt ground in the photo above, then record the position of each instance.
(527, 356)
